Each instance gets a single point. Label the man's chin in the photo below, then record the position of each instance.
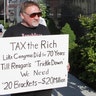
(35, 25)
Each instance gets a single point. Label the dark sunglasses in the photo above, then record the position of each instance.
(34, 14)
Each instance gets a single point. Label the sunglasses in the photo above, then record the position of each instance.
(34, 14)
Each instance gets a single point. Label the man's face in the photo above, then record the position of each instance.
(31, 16)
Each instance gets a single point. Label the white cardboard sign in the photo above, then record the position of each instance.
(33, 63)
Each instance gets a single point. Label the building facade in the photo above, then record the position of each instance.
(68, 11)
(85, 7)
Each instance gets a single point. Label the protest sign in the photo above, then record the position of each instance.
(33, 63)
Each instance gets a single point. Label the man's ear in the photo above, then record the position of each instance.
(21, 15)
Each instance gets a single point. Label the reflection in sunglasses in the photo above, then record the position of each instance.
(34, 14)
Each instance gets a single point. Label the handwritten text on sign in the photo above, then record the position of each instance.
(33, 63)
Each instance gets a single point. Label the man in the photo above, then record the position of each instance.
(30, 14)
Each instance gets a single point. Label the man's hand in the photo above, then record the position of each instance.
(68, 67)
